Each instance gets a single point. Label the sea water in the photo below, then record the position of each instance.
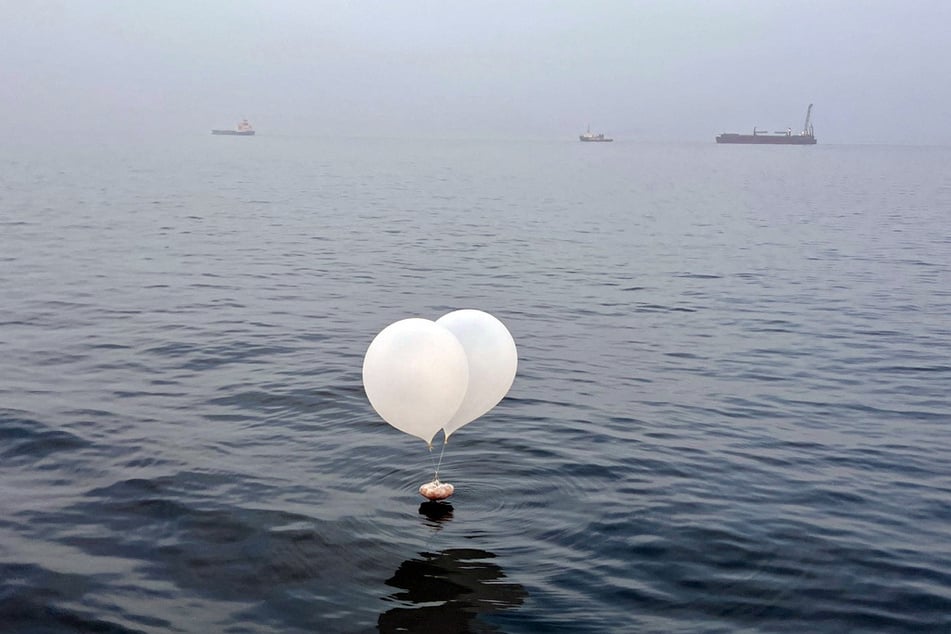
(731, 411)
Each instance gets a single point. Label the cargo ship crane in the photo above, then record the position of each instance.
(807, 128)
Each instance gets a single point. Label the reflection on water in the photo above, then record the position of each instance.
(447, 591)
(436, 512)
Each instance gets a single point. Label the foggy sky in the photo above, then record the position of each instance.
(652, 70)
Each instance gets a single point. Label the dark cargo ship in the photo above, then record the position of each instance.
(806, 137)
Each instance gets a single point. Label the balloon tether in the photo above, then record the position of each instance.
(436, 470)
(433, 460)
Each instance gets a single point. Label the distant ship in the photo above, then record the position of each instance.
(244, 129)
(806, 137)
(588, 137)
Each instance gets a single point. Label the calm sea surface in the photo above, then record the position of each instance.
(731, 414)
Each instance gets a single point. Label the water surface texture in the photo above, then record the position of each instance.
(731, 413)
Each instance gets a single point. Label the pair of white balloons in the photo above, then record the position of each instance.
(422, 376)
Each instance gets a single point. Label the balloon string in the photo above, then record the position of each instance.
(433, 460)
(436, 471)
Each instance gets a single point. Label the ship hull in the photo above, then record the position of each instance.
(584, 140)
(767, 139)
(234, 132)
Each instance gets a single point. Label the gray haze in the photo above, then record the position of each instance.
(652, 70)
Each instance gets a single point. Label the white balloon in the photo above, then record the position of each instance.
(415, 374)
(492, 358)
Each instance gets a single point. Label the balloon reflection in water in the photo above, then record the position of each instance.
(461, 581)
